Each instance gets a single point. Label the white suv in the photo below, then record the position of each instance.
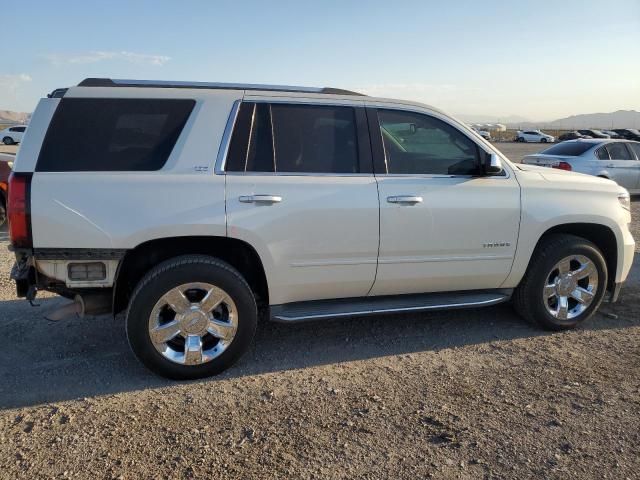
(12, 135)
(192, 207)
(534, 136)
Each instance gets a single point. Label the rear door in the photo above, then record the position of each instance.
(623, 166)
(300, 190)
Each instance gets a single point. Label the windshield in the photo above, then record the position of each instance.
(570, 149)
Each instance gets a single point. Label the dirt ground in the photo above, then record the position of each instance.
(464, 394)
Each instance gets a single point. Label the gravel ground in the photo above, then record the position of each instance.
(465, 394)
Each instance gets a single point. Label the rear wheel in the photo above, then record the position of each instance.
(191, 317)
(8, 141)
(564, 285)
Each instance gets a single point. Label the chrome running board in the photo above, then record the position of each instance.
(361, 306)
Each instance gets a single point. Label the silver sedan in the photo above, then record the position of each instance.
(618, 160)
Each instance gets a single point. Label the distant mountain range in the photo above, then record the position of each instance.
(7, 116)
(619, 119)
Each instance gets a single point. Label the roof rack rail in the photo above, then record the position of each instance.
(108, 82)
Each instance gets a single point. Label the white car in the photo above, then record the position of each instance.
(193, 207)
(12, 135)
(483, 133)
(534, 136)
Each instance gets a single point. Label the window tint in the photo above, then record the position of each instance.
(17, 129)
(602, 153)
(237, 153)
(570, 148)
(618, 151)
(294, 139)
(315, 139)
(419, 144)
(99, 134)
(251, 147)
(635, 147)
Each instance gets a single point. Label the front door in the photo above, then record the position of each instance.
(442, 227)
(300, 190)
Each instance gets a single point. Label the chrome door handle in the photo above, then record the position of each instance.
(405, 199)
(260, 199)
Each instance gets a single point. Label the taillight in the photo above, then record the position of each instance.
(563, 166)
(19, 211)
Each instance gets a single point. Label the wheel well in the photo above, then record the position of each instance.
(140, 260)
(601, 235)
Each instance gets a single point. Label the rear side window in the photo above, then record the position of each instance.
(107, 135)
(602, 154)
(291, 138)
(618, 151)
(571, 149)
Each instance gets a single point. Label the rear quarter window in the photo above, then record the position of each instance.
(100, 134)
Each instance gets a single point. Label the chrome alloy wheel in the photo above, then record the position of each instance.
(193, 323)
(571, 287)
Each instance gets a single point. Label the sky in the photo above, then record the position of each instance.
(537, 60)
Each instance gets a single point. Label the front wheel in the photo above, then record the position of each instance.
(191, 317)
(8, 141)
(564, 284)
(543, 140)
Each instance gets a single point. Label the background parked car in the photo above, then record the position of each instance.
(572, 136)
(13, 134)
(628, 133)
(483, 133)
(534, 136)
(6, 162)
(594, 133)
(617, 160)
(611, 133)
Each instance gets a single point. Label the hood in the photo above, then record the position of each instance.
(571, 179)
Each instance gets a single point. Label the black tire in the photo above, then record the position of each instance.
(543, 140)
(179, 271)
(8, 141)
(528, 297)
(3, 212)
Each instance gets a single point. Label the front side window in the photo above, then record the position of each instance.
(294, 138)
(418, 144)
(112, 134)
(618, 151)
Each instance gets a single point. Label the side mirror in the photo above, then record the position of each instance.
(493, 165)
